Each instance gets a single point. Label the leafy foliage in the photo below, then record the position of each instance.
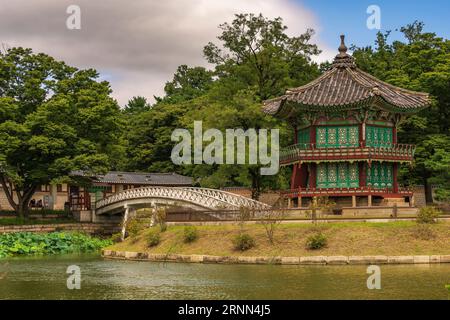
(53, 119)
(154, 238)
(190, 234)
(316, 241)
(428, 215)
(26, 243)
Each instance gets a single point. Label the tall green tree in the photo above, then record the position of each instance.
(54, 119)
(136, 105)
(256, 51)
(187, 83)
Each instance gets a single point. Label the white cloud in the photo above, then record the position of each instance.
(138, 44)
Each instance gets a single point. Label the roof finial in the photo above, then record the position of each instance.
(342, 48)
(343, 59)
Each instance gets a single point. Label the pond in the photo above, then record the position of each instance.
(45, 278)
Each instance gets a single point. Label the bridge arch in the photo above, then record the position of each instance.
(195, 198)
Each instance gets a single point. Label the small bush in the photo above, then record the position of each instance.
(133, 227)
(153, 238)
(316, 241)
(243, 242)
(160, 217)
(190, 234)
(428, 215)
(423, 232)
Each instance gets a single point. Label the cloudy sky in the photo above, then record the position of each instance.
(137, 45)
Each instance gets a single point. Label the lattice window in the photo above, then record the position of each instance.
(339, 136)
(337, 175)
(378, 136)
(379, 175)
(321, 136)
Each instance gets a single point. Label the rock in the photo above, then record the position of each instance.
(367, 259)
(196, 258)
(290, 260)
(401, 259)
(313, 260)
(421, 259)
(130, 255)
(435, 259)
(337, 260)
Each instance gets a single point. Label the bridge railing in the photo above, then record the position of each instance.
(207, 198)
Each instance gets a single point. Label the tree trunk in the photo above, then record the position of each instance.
(428, 191)
(256, 186)
(23, 198)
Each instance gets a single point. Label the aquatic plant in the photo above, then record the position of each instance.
(27, 243)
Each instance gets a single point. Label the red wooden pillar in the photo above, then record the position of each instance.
(362, 173)
(312, 175)
(394, 176)
(295, 176)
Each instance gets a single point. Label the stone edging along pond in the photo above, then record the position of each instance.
(307, 260)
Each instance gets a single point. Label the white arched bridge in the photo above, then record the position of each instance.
(194, 198)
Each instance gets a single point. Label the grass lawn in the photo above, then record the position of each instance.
(351, 238)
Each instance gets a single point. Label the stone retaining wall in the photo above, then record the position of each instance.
(312, 260)
(91, 228)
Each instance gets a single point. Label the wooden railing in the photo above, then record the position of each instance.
(311, 152)
(359, 191)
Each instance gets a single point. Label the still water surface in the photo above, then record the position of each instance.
(45, 278)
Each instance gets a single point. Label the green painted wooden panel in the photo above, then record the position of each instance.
(337, 175)
(303, 136)
(380, 175)
(337, 136)
(379, 136)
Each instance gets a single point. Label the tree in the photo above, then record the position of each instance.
(257, 52)
(187, 83)
(136, 105)
(54, 119)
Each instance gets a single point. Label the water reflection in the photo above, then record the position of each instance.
(45, 278)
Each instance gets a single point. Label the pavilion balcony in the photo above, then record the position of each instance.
(359, 191)
(309, 152)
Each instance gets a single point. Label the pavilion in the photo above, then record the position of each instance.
(345, 125)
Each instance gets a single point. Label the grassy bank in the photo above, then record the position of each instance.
(392, 238)
(25, 243)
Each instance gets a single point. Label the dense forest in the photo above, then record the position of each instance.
(55, 118)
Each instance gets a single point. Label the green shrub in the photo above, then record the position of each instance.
(428, 215)
(133, 227)
(190, 234)
(316, 241)
(161, 216)
(243, 242)
(153, 238)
